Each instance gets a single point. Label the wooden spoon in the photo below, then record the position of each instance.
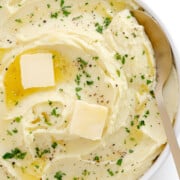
(164, 63)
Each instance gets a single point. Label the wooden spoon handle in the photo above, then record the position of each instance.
(171, 137)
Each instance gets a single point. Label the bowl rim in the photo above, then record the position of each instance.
(166, 152)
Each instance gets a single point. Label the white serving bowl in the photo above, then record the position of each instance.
(163, 156)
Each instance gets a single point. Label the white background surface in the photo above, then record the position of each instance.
(168, 12)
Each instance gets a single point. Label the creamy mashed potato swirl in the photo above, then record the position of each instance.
(101, 56)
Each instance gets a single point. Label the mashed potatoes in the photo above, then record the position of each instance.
(98, 118)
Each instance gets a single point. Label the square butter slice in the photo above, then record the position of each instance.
(37, 70)
(88, 120)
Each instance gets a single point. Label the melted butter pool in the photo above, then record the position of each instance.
(12, 81)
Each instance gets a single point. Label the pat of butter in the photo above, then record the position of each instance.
(88, 120)
(37, 70)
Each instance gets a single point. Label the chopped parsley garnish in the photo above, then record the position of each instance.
(0, 7)
(59, 175)
(152, 93)
(117, 56)
(82, 62)
(89, 83)
(96, 158)
(64, 8)
(146, 114)
(54, 112)
(78, 89)
(55, 15)
(141, 123)
(119, 162)
(132, 123)
(77, 79)
(76, 18)
(131, 80)
(148, 82)
(131, 151)
(15, 131)
(82, 68)
(95, 58)
(48, 5)
(78, 96)
(54, 145)
(111, 173)
(85, 172)
(123, 59)
(142, 77)
(18, 20)
(100, 28)
(40, 153)
(118, 73)
(65, 12)
(18, 119)
(15, 153)
(136, 117)
(86, 74)
(107, 21)
(62, 3)
(127, 130)
(36, 166)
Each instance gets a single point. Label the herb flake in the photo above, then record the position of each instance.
(18, 119)
(119, 162)
(54, 112)
(40, 153)
(59, 175)
(54, 145)
(96, 158)
(15, 153)
(55, 15)
(89, 83)
(141, 123)
(18, 20)
(111, 173)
